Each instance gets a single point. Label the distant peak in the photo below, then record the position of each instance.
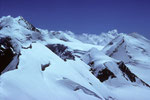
(19, 17)
(113, 32)
(3, 17)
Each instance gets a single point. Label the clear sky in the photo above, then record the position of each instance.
(83, 16)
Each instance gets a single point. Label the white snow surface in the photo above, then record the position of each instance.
(57, 81)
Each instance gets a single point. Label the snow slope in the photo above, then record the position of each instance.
(33, 83)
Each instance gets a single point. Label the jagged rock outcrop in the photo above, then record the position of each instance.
(62, 51)
(8, 56)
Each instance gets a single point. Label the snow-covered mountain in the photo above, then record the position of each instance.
(102, 39)
(37, 64)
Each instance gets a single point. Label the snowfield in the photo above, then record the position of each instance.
(38, 64)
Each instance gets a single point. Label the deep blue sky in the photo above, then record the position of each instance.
(83, 16)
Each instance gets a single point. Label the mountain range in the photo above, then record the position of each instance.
(38, 64)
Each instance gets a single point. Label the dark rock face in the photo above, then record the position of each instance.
(61, 51)
(12, 65)
(125, 70)
(116, 49)
(102, 75)
(1, 27)
(91, 63)
(6, 52)
(110, 43)
(105, 74)
(43, 67)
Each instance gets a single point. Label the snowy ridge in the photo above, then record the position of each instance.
(109, 70)
(38, 64)
(129, 46)
(132, 49)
